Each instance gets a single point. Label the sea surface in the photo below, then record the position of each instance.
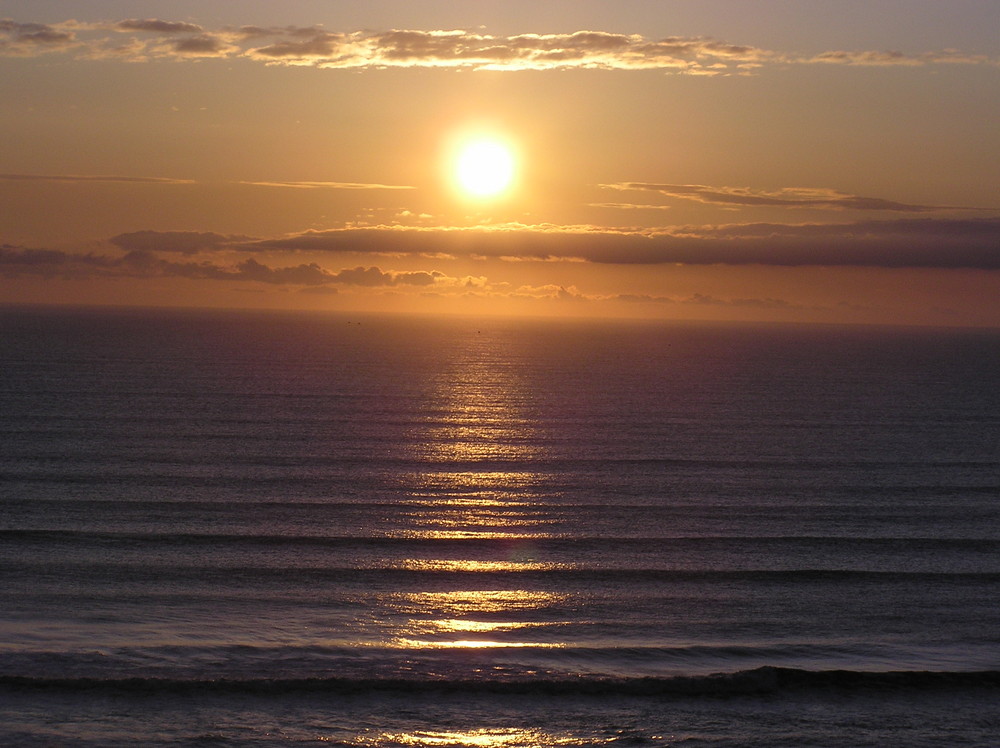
(225, 528)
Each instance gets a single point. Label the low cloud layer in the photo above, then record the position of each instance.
(151, 39)
(910, 242)
(50, 263)
(917, 242)
(209, 256)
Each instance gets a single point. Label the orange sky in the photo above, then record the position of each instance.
(717, 160)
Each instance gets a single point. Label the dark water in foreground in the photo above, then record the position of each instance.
(223, 528)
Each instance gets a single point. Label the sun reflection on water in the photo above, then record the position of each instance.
(504, 737)
(474, 565)
(480, 415)
(476, 602)
(467, 534)
(476, 619)
(482, 407)
(471, 644)
(475, 486)
(494, 504)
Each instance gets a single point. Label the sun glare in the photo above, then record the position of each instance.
(484, 167)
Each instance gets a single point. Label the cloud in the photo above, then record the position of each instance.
(373, 276)
(873, 58)
(766, 303)
(139, 263)
(628, 206)
(323, 46)
(551, 291)
(442, 48)
(156, 26)
(465, 49)
(331, 185)
(913, 242)
(303, 185)
(301, 275)
(18, 261)
(252, 32)
(90, 178)
(789, 197)
(203, 45)
(29, 39)
(637, 298)
(866, 58)
(699, 299)
(916, 242)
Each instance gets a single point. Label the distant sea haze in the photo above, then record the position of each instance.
(246, 529)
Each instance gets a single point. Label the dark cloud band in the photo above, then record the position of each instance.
(923, 242)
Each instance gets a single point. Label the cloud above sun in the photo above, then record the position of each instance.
(156, 39)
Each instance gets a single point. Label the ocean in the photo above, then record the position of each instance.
(223, 528)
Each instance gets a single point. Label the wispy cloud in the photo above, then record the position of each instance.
(331, 185)
(699, 299)
(302, 185)
(151, 38)
(881, 59)
(89, 178)
(789, 197)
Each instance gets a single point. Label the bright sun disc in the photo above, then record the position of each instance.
(484, 168)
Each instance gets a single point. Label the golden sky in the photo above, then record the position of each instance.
(814, 161)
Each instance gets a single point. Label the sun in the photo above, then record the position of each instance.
(484, 167)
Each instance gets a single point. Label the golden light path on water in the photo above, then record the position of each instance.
(441, 620)
(481, 416)
(506, 737)
(486, 505)
(490, 506)
(448, 564)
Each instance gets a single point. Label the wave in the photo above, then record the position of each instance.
(540, 541)
(501, 573)
(767, 680)
(73, 535)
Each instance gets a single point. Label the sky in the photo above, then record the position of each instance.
(829, 161)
